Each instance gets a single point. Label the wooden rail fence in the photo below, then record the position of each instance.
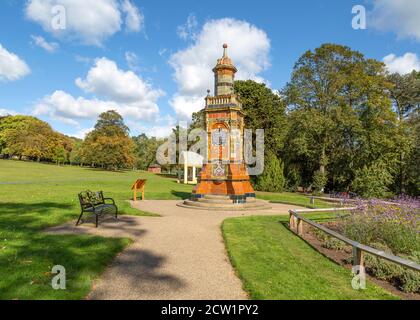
(296, 225)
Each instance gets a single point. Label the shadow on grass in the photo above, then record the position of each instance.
(28, 262)
(33, 216)
(169, 176)
(29, 253)
(181, 194)
(106, 170)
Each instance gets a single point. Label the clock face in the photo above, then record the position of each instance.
(219, 137)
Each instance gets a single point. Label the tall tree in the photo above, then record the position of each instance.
(412, 182)
(340, 115)
(29, 137)
(264, 109)
(109, 144)
(405, 94)
(145, 150)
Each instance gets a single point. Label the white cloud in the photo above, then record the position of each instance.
(162, 52)
(7, 112)
(50, 47)
(185, 105)
(161, 129)
(132, 60)
(88, 21)
(11, 66)
(399, 16)
(403, 64)
(249, 48)
(188, 31)
(134, 19)
(83, 59)
(119, 90)
(81, 134)
(107, 80)
(158, 131)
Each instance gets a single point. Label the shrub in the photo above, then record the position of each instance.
(328, 242)
(334, 244)
(410, 281)
(381, 268)
(293, 178)
(407, 280)
(272, 179)
(319, 181)
(372, 181)
(359, 228)
(394, 224)
(320, 235)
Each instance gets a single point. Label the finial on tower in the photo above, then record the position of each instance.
(225, 46)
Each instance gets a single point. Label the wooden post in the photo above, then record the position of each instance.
(358, 257)
(135, 193)
(312, 200)
(142, 193)
(300, 227)
(291, 221)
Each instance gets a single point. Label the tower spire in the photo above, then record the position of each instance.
(224, 74)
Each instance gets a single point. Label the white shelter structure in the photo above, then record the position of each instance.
(191, 162)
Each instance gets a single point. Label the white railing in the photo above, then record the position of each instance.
(224, 100)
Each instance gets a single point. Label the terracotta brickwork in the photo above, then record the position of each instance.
(218, 115)
(225, 173)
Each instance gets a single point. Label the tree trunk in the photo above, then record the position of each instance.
(402, 174)
(322, 164)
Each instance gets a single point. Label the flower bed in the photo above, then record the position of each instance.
(393, 227)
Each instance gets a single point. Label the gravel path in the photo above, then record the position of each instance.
(180, 255)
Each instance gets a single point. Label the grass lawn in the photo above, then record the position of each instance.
(34, 196)
(294, 198)
(276, 264)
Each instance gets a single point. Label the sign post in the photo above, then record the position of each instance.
(138, 185)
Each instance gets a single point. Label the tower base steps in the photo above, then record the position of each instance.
(224, 203)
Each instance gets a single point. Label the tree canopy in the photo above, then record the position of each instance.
(30, 138)
(109, 144)
(341, 117)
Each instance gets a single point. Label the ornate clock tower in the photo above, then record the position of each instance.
(223, 183)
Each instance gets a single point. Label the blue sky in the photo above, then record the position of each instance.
(152, 60)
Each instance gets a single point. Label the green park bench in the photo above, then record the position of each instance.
(95, 203)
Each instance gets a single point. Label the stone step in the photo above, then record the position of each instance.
(258, 205)
(221, 201)
(216, 197)
(208, 204)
